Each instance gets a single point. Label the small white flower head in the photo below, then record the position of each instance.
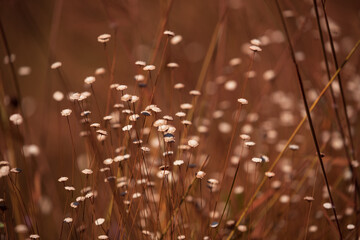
(21, 228)
(242, 228)
(350, 227)
(108, 161)
(4, 169)
(214, 224)
(63, 179)
(193, 143)
(99, 221)
(176, 40)
(255, 42)
(107, 118)
(87, 171)
(127, 128)
(249, 144)
(230, 85)
(136, 195)
(34, 236)
(256, 160)
(245, 137)
(313, 228)
(74, 96)
(58, 96)
(308, 198)
(186, 106)
(284, 198)
(172, 65)
(149, 68)
(66, 112)
(126, 97)
(100, 71)
(89, 80)
(269, 75)
(179, 86)
(235, 62)
(195, 93)
(168, 118)
(103, 237)
(56, 65)
(355, 163)
(327, 205)
(31, 150)
(69, 188)
(139, 77)
(169, 33)
(68, 220)
(180, 114)
(24, 71)
(255, 48)
(140, 63)
(178, 162)
(95, 125)
(186, 122)
(212, 182)
(134, 117)
(294, 147)
(181, 237)
(159, 122)
(134, 99)
(200, 174)
(270, 174)
(104, 38)
(121, 87)
(16, 119)
(243, 101)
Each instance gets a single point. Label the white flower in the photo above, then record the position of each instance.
(149, 68)
(242, 101)
(68, 220)
(66, 112)
(103, 38)
(200, 174)
(169, 33)
(16, 119)
(58, 96)
(56, 65)
(99, 221)
(193, 143)
(87, 171)
(89, 80)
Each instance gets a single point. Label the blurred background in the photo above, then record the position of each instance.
(41, 32)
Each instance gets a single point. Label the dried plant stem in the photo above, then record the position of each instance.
(309, 117)
(293, 136)
(73, 153)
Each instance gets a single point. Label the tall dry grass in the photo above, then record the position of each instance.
(179, 120)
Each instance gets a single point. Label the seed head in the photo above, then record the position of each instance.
(169, 33)
(193, 143)
(16, 119)
(200, 174)
(66, 112)
(100, 71)
(58, 96)
(56, 65)
(89, 80)
(176, 39)
(99, 221)
(87, 171)
(255, 48)
(104, 38)
(243, 101)
(149, 68)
